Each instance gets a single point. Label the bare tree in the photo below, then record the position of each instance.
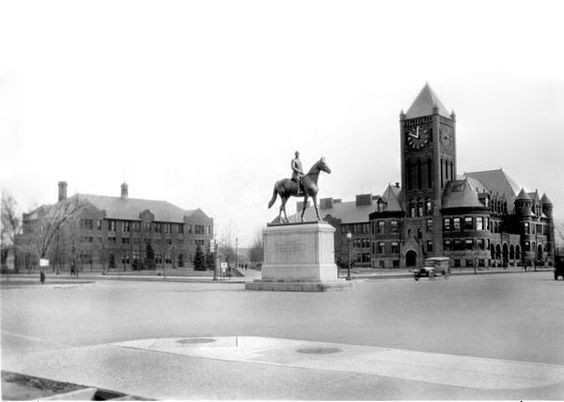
(10, 228)
(256, 251)
(46, 222)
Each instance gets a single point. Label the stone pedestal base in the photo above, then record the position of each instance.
(299, 258)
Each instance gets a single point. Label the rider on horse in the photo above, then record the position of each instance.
(297, 172)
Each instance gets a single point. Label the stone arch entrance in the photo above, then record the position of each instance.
(505, 254)
(410, 258)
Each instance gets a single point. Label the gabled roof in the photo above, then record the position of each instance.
(497, 181)
(460, 194)
(424, 103)
(347, 212)
(130, 208)
(392, 198)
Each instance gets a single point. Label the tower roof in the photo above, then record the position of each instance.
(545, 199)
(424, 103)
(523, 195)
(391, 197)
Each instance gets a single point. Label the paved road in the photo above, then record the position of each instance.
(516, 317)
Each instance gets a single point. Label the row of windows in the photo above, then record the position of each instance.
(157, 227)
(469, 222)
(466, 244)
(419, 208)
(358, 228)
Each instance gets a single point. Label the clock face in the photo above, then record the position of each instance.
(446, 137)
(418, 136)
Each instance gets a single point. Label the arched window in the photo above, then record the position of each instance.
(511, 252)
(420, 211)
(518, 252)
(409, 176)
(429, 173)
(428, 207)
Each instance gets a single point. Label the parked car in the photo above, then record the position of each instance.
(559, 267)
(432, 267)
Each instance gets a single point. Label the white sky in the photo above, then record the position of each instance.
(203, 103)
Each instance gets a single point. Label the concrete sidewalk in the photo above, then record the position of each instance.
(272, 368)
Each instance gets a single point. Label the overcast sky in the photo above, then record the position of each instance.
(203, 103)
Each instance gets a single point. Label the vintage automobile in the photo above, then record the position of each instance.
(559, 267)
(432, 267)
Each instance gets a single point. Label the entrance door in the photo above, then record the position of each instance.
(411, 258)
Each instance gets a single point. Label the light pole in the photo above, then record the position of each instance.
(215, 262)
(349, 237)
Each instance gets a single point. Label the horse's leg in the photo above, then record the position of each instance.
(283, 208)
(314, 197)
(304, 207)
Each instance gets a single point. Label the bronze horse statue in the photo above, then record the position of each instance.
(287, 188)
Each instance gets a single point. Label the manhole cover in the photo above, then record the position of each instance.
(319, 351)
(195, 340)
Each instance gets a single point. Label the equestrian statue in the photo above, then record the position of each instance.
(299, 185)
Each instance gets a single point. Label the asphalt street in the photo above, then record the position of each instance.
(516, 317)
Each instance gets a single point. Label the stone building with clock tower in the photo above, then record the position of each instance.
(428, 163)
(478, 219)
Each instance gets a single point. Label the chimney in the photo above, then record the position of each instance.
(62, 191)
(124, 191)
(363, 199)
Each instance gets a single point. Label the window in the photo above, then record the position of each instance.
(480, 223)
(420, 208)
(526, 228)
(125, 240)
(456, 263)
(395, 247)
(456, 224)
(429, 225)
(99, 224)
(469, 263)
(147, 226)
(458, 245)
(86, 224)
(482, 244)
(381, 247)
(380, 227)
(135, 226)
(158, 227)
(394, 226)
(468, 223)
(111, 225)
(166, 227)
(112, 239)
(180, 229)
(200, 243)
(487, 223)
(126, 226)
(199, 229)
(381, 263)
(189, 228)
(429, 246)
(447, 245)
(446, 224)
(428, 207)
(412, 209)
(469, 244)
(395, 263)
(208, 230)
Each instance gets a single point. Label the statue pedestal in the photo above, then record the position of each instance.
(300, 258)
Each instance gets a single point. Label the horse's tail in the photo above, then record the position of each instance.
(273, 199)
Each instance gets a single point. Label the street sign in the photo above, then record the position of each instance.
(43, 262)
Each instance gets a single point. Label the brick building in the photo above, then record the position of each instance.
(122, 233)
(479, 219)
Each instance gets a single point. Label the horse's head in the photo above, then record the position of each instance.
(323, 166)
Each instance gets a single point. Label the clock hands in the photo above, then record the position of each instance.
(416, 136)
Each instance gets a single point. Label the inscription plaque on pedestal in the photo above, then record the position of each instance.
(299, 257)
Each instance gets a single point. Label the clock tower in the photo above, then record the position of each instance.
(428, 163)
